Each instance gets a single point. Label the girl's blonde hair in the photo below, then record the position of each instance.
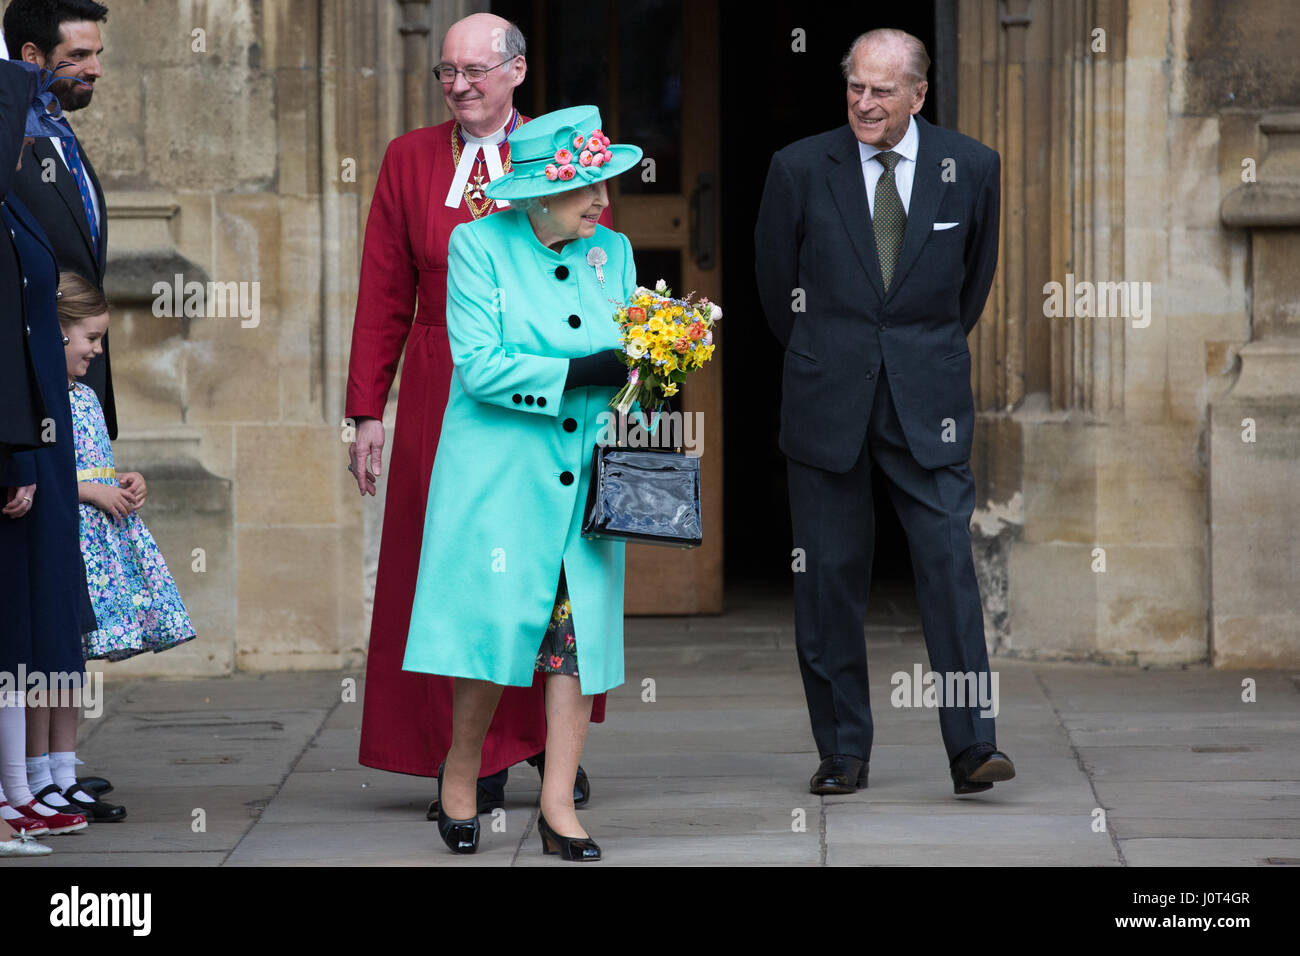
(79, 299)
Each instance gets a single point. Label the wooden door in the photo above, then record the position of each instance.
(673, 222)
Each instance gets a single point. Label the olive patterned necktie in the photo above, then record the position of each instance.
(888, 217)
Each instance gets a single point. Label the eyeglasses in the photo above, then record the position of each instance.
(446, 73)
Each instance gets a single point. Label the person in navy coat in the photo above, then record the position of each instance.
(47, 601)
(22, 406)
(875, 250)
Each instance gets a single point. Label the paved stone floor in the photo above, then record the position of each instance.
(715, 769)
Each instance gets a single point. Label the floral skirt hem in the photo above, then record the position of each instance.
(113, 650)
(559, 651)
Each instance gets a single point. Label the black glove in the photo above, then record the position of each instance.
(602, 369)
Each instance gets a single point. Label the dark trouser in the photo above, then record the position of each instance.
(834, 524)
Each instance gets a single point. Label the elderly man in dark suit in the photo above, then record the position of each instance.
(875, 250)
(57, 182)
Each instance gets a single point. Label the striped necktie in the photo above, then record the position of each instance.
(888, 217)
(73, 156)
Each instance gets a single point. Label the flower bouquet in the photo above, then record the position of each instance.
(663, 340)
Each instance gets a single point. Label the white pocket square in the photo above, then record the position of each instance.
(945, 225)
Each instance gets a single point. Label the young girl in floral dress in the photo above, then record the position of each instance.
(136, 602)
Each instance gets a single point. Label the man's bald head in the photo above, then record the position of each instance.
(483, 31)
(487, 42)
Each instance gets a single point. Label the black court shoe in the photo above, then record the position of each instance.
(576, 849)
(461, 836)
(978, 767)
(581, 783)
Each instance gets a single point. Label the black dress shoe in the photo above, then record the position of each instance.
(95, 786)
(491, 794)
(978, 767)
(581, 783)
(96, 810)
(839, 773)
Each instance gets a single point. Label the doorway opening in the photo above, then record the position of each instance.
(776, 90)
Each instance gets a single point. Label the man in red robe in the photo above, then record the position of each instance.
(431, 181)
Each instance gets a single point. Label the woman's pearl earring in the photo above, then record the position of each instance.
(66, 340)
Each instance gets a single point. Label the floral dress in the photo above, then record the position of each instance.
(136, 601)
(559, 651)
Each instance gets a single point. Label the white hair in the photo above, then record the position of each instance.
(916, 61)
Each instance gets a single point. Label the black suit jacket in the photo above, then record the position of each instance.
(820, 285)
(57, 207)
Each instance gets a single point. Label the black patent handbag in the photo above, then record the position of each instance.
(644, 495)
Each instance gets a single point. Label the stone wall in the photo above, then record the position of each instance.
(1135, 118)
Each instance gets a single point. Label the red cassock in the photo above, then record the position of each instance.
(402, 302)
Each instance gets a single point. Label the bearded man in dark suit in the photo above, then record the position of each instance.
(57, 182)
(875, 250)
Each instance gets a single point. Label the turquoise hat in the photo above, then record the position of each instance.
(559, 151)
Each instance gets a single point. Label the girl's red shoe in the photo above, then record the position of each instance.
(57, 822)
(26, 824)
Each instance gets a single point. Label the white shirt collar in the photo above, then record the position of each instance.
(907, 146)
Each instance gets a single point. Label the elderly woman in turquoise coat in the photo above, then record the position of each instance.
(508, 587)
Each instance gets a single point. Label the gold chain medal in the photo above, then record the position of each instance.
(475, 197)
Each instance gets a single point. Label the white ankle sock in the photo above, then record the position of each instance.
(13, 752)
(38, 778)
(63, 768)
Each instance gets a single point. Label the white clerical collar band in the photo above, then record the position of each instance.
(473, 145)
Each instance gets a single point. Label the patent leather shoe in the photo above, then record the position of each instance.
(461, 836)
(57, 822)
(581, 783)
(32, 826)
(978, 767)
(95, 809)
(574, 849)
(839, 773)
